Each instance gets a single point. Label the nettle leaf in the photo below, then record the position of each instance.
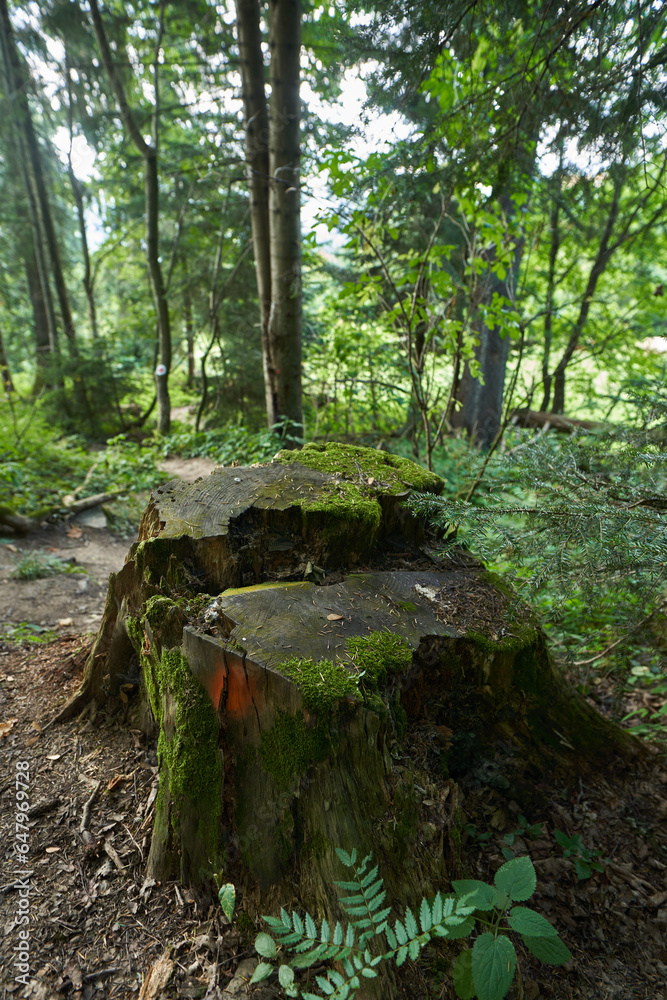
(527, 921)
(262, 972)
(493, 965)
(480, 895)
(462, 929)
(285, 975)
(227, 897)
(551, 950)
(462, 976)
(517, 878)
(265, 945)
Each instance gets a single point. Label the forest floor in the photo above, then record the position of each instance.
(99, 928)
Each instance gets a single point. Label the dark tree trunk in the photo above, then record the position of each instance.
(284, 211)
(253, 76)
(5, 371)
(481, 399)
(272, 158)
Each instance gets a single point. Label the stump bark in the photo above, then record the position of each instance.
(317, 675)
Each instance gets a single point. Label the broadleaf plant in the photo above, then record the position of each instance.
(371, 937)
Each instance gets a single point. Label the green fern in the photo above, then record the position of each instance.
(486, 971)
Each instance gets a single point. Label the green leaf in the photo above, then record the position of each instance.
(462, 976)
(298, 924)
(414, 949)
(402, 955)
(551, 950)
(227, 897)
(437, 909)
(583, 869)
(285, 917)
(265, 945)
(324, 985)
(480, 895)
(411, 924)
(285, 975)
(527, 921)
(324, 933)
(338, 934)
(391, 938)
(462, 929)
(493, 965)
(517, 878)
(347, 859)
(311, 927)
(367, 879)
(500, 899)
(425, 917)
(262, 972)
(349, 936)
(401, 932)
(369, 973)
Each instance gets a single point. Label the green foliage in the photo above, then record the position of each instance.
(225, 446)
(27, 632)
(370, 938)
(36, 565)
(584, 859)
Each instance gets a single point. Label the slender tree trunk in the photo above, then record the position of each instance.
(602, 258)
(77, 191)
(189, 323)
(149, 152)
(554, 247)
(249, 34)
(284, 212)
(41, 327)
(5, 372)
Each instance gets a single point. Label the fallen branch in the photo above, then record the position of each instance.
(87, 808)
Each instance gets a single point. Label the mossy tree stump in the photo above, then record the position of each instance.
(317, 676)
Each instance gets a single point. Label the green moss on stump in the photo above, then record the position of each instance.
(361, 476)
(289, 748)
(189, 760)
(391, 473)
(322, 684)
(379, 654)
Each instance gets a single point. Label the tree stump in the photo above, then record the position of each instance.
(318, 676)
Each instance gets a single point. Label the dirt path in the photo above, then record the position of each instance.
(72, 601)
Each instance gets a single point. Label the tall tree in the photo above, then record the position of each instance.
(17, 85)
(273, 167)
(149, 152)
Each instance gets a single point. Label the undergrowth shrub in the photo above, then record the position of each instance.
(371, 937)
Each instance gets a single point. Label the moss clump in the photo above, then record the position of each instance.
(322, 684)
(191, 756)
(393, 474)
(246, 925)
(289, 748)
(379, 654)
(345, 501)
(407, 606)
